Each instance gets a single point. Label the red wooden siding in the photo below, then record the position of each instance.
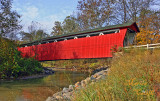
(87, 47)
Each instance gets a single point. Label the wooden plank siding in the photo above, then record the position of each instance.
(98, 46)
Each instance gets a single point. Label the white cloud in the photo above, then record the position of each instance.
(45, 17)
(48, 22)
(28, 14)
(31, 12)
(156, 7)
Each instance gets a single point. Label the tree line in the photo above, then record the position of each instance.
(89, 14)
(12, 65)
(92, 14)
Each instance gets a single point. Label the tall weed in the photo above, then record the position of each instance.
(134, 76)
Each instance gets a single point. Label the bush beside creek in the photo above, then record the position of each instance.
(12, 65)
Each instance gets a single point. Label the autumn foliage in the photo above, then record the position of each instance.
(149, 29)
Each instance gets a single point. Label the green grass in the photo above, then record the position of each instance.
(80, 64)
(133, 76)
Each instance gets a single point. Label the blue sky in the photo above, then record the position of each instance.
(44, 11)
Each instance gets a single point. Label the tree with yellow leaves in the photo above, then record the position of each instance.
(149, 28)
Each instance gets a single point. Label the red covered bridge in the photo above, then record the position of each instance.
(94, 43)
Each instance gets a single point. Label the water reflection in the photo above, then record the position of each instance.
(38, 89)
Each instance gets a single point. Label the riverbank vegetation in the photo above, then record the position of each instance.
(12, 65)
(133, 76)
(79, 64)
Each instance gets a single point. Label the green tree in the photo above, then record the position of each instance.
(57, 29)
(70, 25)
(99, 13)
(94, 13)
(8, 19)
(12, 64)
(35, 33)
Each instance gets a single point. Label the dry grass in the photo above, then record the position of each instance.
(133, 76)
(80, 64)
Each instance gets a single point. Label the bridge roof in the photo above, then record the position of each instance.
(119, 26)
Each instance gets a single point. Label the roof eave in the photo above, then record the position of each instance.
(87, 31)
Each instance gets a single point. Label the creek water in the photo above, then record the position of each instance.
(40, 88)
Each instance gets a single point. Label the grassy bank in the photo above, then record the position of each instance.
(134, 76)
(79, 64)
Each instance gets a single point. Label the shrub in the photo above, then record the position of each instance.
(12, 64)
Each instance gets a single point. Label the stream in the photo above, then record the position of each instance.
(40, 88)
